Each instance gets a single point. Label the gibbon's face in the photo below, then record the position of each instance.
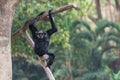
(41, 34)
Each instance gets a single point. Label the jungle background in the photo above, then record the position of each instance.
(87, 44)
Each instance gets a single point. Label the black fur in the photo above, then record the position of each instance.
(42, 44)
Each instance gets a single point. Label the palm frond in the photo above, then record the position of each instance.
(83, 35)
(110, 38)
(81, 23)
(107, 37)
(114, 38)
(102, 24)
(108, 48)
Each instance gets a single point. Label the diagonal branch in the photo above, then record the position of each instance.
(98, 10)
(42, 59)
(43, 17)
(30, 41)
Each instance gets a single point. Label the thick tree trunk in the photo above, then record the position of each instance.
(117, 4)
(98, 9)
(6, 14)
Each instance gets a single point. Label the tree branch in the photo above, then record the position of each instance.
(30, 41)
(92, 18)
(43, 17)
(47, 70)
(98, 10)
(42, 59)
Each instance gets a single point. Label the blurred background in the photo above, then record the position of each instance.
(87, 44)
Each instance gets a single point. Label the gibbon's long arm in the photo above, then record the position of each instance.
(54, 28)
(60, 9)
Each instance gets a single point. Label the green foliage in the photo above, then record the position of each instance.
(95, 42)
(94, 76)
(113, 75)
(77, 42)
(102, 24)
(27, 69)
(62, 72)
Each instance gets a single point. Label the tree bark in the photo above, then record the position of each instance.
(7, 8)
(97, 2)
(117, 4)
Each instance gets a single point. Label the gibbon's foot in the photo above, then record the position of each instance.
(50, 60)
